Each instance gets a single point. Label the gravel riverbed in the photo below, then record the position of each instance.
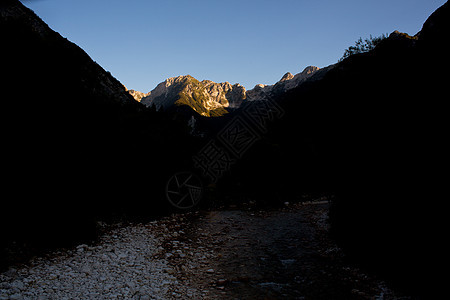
(236, 253)
(124, 264)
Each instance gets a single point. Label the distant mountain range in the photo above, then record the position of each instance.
(205, 97)
(371, 129)
(211, 99)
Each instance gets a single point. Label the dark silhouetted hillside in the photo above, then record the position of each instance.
(373, 131)
(75, 144)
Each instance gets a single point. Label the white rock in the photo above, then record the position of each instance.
(86, 270)
(18, 285)
(96, 272)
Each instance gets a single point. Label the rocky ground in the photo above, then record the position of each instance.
(227, 254)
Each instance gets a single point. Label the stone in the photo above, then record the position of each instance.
(18, 285)
(118, 268)
(86, 269)
(11, 272)
(5, 285)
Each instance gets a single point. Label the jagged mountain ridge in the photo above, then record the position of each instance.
(137, 95)
(212, 99)
(205, 97)
(286, 83)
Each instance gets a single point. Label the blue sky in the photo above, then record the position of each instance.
(143, 42)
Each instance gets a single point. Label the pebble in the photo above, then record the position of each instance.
(122, 266)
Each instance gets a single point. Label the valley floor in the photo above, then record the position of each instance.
(227, 254)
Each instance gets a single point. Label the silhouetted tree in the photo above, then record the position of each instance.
(362, 46)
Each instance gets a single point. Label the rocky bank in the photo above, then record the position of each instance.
(237, 253)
